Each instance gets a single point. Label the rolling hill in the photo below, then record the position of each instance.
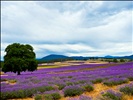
(53, 57)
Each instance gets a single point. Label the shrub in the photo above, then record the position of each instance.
(83, 97)
(52, 96)
(127, 89)
(88, 88)
(82, 81)
(69, 83)
(98, 80)
(122, 60)
(72, 91)
(75, 83)
(69, 76)
(38, 97)
(115, 81)
(23, 93)
(130, 78)
(61, 86)
(48, 97)
(56, 96)
(109, 94)
(115, 60)
(12, 95)
(45, 88)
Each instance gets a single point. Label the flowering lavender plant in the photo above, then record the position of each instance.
(115, 81)
(52, 96)
(38, 97)
(88, 87)
(83, 97)
(112, 95)
(127, 89)
(72, 90)
(73, 99)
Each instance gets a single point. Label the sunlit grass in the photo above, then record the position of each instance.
(67, 63)
(127, 97)
(1, 73)
(47, 66)
(98, 88)
(55, 65)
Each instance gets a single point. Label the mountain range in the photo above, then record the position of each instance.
(54, 57)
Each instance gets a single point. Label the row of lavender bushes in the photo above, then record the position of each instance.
(74, 90)
(113, 95)
(39, 91)
(68, 91)
(107, 95)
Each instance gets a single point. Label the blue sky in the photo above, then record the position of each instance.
(72, 28)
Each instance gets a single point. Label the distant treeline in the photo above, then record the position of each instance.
(116, 60)
(91, 58)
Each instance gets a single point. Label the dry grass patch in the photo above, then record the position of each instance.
(42, 67)
(95, 62)
(2, 73)
(98, 88)
(127, 97)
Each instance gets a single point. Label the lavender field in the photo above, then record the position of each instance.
(77, 82)
(66, 50)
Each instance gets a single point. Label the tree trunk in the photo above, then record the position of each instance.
(18, 72)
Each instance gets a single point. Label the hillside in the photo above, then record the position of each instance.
(54, 57)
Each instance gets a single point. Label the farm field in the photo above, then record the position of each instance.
(71, 81)
(68, 63)
(66, 50)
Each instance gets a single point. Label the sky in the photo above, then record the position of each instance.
(71, 28)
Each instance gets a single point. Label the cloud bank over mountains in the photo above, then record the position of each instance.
(72, 28)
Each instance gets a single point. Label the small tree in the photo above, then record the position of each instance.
(19, 58)
(122, 60)
(130, 60)
(115, 60)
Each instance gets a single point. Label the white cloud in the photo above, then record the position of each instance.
(71, 28)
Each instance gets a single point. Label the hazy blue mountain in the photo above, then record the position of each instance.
(109, 56)
(127, 57)
(124, 57)
(53, 57)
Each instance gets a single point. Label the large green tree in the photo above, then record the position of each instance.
(18, 58)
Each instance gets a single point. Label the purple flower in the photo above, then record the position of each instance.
(112, 95)
(83, 97)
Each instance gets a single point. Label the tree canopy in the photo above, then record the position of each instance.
(18, 58)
